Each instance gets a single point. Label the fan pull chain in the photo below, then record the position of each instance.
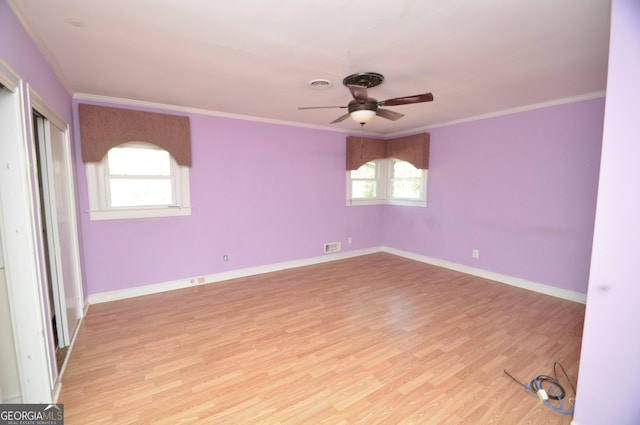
(361, 139)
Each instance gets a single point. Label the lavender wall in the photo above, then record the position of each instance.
(18, 50)
(521, 188)
(260, 193)
(609, 381)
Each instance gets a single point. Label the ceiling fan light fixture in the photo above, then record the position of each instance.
(362, 108)
(362, 116)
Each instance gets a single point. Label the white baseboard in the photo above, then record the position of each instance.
(252, 271)
(502, 278)
(219, 277)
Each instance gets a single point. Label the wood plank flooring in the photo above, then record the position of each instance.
(376, 339)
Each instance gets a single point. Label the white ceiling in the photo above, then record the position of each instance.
(255, 57)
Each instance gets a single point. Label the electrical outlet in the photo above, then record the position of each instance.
(225, 258)
(475, 253)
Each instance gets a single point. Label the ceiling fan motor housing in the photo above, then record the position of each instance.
(370, 105)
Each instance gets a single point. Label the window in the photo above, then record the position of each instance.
(135, 180)
(387, 181)
(405, 181)
(364, 182)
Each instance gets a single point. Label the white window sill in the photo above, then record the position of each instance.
(402, 202)
(407, 202)
(139, 213)
(362, 202)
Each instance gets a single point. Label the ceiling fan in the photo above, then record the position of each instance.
(363, 108)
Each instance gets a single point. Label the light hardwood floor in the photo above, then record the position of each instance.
(376, 339)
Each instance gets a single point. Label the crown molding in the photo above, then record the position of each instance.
(198, 111)
(525, 108)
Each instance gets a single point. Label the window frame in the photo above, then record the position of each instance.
(99, 195)
(384, 181)
(365, 201)
(420, 201)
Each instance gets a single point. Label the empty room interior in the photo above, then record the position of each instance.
(338, 212)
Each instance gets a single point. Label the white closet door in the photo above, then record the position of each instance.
(62, 227)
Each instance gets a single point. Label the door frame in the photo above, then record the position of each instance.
(22, 267)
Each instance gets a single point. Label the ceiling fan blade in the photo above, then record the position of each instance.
(320, 107)
(388, 114)
(405, 100)
(340, 119)
(359, 93)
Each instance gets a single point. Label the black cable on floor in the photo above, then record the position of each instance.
(549, 388)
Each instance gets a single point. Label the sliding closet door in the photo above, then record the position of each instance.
(58, 186)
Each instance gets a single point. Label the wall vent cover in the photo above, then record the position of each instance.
(332, 247)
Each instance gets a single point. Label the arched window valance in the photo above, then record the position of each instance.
(102, 128)
(413, 149)
(361, 150)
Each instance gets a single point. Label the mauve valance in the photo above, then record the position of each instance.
(413, 149)
(361, 150)
(102, 128)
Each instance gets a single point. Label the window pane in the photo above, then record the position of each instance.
(139, 161)
(403, 169)
(140, 192)
(406, 189)
(367, 171)
(363, 189)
